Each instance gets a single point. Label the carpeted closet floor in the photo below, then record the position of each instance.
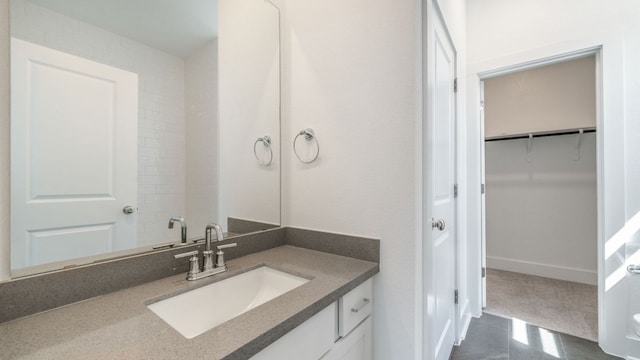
(563, 306)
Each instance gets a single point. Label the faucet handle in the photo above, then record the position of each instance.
(226, 246)
(220, 254)
(194, 263)
(190, 253)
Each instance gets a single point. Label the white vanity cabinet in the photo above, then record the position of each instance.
(341, 331)
(354, 325)
(355, 346)
(309, 341)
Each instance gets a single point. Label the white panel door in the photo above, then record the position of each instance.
(73, 156)
(440, 243)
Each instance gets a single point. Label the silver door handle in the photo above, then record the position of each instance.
(361, 306)
(128, 209)
(439, 224)
(634, 269)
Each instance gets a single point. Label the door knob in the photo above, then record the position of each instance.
(634, 269)
(128, 209)
(439, 224)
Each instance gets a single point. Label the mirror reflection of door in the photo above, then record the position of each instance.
(173, 49)
(73, 155)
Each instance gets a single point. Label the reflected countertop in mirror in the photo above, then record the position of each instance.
(192, 153)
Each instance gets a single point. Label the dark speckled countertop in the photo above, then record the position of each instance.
(120, 326)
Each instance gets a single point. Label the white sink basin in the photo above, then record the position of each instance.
(199, 310)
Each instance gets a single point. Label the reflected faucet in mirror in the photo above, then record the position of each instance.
(183, 227)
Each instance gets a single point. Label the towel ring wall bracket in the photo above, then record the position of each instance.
(266, 141)
(309, 135)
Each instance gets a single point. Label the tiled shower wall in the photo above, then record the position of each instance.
(161, 120)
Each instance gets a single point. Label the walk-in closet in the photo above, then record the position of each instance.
(540, 197)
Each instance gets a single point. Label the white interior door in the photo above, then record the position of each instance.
(440, 243)
(73, 156)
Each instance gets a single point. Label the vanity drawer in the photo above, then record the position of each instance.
(354, 307)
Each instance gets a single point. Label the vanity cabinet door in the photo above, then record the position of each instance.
(309, 341)
(355, 346)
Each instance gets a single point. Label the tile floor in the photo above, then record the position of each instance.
(493, 337)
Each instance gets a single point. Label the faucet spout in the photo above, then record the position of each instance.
(183, 227)
(207, 235)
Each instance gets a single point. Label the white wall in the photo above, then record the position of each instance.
(351, 75)
(161, 121)
(554, 97)
(201, 86)
(541, 215)
(507, 32)
(249, 109)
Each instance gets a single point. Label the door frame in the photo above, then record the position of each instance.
(514, 69)
(609, 136)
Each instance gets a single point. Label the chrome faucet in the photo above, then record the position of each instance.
(209, 266)
(183, 226)
(207, 235)
(207, 254)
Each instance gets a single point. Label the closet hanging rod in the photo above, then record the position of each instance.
(541, 134)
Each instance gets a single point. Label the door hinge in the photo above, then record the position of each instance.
(481, 188)
(455, 85)
(455, 297)
(455, 190)
(484, 272)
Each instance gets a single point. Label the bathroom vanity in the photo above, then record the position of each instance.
(328, 317)
(341, 331)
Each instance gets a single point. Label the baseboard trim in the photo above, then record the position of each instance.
(545, 270)
(464, 322)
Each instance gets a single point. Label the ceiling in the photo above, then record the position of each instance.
(178, 27)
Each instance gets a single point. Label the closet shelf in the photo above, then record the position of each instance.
(541, 134)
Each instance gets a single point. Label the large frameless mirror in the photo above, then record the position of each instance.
(119, 123)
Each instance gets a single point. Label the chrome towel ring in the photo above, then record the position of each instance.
(266, 141)
(308, 136)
